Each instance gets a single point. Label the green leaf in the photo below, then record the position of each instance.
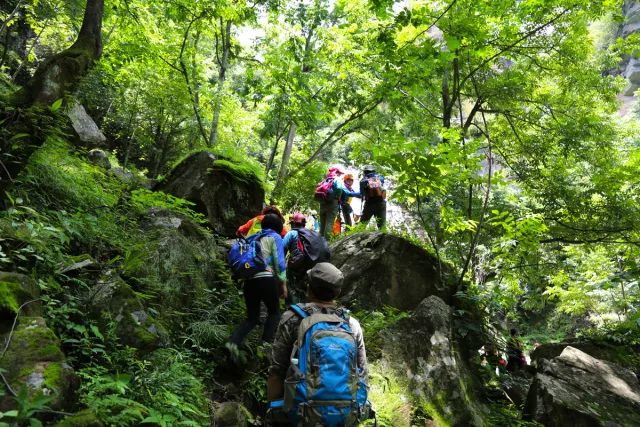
(56, 105)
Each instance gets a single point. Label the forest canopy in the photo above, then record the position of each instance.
(512, 156)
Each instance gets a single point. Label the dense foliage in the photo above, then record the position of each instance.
(496, 121)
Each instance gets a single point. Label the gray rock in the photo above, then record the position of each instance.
(231, 414)
(422, 349)
(122, 175)
(625, 356)
(100, 158)
(381, 269)
(112, 299)
(579, 390)
(84, 126)
(34, 361)
(226, 192)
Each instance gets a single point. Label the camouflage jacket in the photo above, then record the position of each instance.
(287, 335)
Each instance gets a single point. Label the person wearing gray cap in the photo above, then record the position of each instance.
(298, 348)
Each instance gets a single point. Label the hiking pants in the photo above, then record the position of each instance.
(346, 214)
(328, 213)
(263, 289)
(377, 208)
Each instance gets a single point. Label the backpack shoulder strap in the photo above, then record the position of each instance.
(298, 310)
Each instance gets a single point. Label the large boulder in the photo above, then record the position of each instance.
(34, 361)
(381, 269)
(627, 356)
(579, 390)
(111, 300)
(228, 193)
(85, 128)
(421, 348)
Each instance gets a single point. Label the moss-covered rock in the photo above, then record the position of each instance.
(231, 414)
(15, 290)
(440, 385)
(226, 191)
(34, 360)
(112, 300)
(86, 418)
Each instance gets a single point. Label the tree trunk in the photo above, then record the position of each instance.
(63, 71)
(286, 156)
(54, 77)
(222, 75)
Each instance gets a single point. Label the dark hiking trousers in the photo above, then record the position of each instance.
(263, 289)
(328, 213)
(346, 214)
(377, 208)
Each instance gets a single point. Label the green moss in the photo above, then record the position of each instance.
(53, 376)
(434, 409)
(11, 296)
(242, 171)
(33, 342)
(389, 395)
(85, 418)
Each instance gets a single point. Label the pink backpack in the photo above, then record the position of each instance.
(324, 188)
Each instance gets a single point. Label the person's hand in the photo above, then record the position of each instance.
(283, 290)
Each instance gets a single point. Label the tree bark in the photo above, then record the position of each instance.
(63, 71)
(54, 77)
(222, 75)
(286, 156)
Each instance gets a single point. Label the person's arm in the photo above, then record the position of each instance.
(288, 238)
(244, 229)
(275, 387)
(362, 352)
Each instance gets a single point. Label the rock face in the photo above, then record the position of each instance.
(578, 390)
(381, 269)
(421, 348)
(227, 193)
(35, 361)
(626, 356)
(84, 126)
(112, 299)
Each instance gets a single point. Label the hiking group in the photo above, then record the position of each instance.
(273, 262)
(335, 191)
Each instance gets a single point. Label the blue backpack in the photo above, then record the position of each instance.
(245, 258)
(324, 385)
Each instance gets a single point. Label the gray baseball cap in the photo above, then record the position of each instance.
(325, 280)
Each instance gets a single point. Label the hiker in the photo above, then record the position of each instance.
(337, 341)
(374, 196)
(264, 286)
(515, 353)
(345, 200)
(254, 224)
(305, 248)
(328, 193)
